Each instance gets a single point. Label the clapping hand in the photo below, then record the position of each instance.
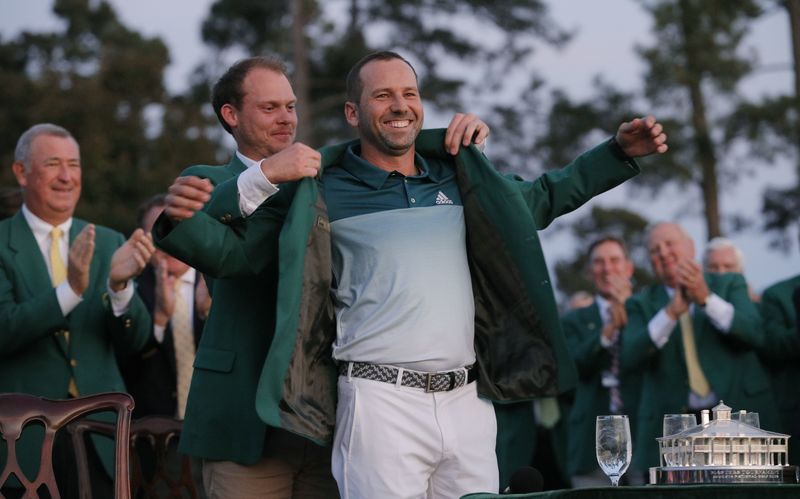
(79, 260)
(130, 259)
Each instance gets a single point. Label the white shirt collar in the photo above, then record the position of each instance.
(42, 229)
(247, 161)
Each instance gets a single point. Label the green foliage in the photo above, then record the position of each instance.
(695, 56)
(422, 30)
(697, 40)
(104, 83)
(693, 68)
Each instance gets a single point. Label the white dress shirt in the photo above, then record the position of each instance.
(254, 186)
(660, 327)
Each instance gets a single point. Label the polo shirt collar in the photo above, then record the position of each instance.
(372, 175)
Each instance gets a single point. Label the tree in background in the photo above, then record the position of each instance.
(298, 32)
(482, 55)
(694, 67)
(696, 56)
(104, 83)
(772, 126)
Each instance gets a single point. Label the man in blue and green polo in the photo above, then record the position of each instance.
(420, 271)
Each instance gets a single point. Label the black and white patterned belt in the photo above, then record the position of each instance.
(430, 382)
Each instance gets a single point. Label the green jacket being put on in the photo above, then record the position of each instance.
(520, 348)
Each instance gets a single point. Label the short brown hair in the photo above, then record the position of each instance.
(354, 84)
(228, 89)
(608, 239)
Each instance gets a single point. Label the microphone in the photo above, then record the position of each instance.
(525, 480)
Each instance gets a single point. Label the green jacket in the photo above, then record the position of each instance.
(35, 356)
(520, 347)
(781, 355)
(221, 422)
(728, 360)
(582, 329)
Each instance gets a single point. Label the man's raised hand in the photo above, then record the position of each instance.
(464, 129)
(130, 259)
(79, 260)
(293, 163)
(186, 196)
(642, 136)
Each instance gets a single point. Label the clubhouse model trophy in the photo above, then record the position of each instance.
(724, 450)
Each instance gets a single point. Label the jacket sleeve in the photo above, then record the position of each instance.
(584, 346)
(562, 191)
(781, 341)
(215, 239)
(747, 325)
(131, 331)
(637, 346)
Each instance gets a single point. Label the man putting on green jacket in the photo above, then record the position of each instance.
(412, 288)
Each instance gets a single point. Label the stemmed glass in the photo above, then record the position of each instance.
(674, 424)
(613, 436)
(745, 417)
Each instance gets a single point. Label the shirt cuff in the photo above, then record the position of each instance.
(158, 333)
(254, 188)
(660, 328)
(720, 312)
(120, 300)
(67, 298)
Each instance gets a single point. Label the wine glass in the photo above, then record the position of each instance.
(674, 424)
(745, 417)
(613, 436)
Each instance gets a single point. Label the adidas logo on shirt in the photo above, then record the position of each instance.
(442, 199)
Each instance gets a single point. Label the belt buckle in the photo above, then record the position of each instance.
(428, 382)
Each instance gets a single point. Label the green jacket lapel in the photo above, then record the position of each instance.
(28, 256)
(235, 166)
(31, 265)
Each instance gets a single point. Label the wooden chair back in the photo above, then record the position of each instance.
(17, 410)
(166, 474)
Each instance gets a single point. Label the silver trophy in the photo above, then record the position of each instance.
(723, 450)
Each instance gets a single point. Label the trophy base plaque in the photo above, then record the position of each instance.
(681, 475)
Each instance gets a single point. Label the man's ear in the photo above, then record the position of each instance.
(19, 171)
(229, 114)
(351, 113)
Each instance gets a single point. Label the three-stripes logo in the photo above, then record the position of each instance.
(442, 199)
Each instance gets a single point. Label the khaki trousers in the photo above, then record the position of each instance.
(292, 467)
